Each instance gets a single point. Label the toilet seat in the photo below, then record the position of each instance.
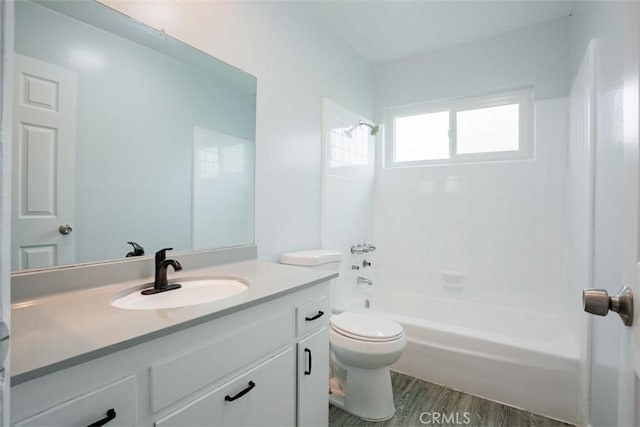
(364, 327)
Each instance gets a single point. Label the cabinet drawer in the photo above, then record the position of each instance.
(268, 399)
(188, 372)
(91, 407)
(312, 315)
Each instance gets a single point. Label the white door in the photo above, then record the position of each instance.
(629, 371)
(621, 218)
(580, 203)
(44, 132)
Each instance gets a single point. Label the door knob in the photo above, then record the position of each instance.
(598, 301)
(65, 229)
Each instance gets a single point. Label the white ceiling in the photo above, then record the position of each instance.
(383, 31)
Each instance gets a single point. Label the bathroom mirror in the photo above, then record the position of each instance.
(123, 134)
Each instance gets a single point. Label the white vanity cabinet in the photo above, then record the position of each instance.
(313, 363)
(113, 403)
(265, 395)
(261, 365)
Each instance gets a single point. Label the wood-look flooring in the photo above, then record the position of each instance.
(414, 396)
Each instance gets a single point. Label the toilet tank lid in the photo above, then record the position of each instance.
(311, 257)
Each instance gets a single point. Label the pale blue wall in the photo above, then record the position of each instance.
(133, 168)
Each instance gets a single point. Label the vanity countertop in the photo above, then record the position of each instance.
(55, 332)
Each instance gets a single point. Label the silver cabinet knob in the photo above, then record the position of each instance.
(598, 301)
(65, 229)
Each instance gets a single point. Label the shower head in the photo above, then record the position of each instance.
(374, 127)
(349, 132)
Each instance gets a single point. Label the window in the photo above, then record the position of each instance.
(496, 127)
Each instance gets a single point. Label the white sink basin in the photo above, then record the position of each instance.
(192, 292)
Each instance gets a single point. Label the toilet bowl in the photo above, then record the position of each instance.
(362, 349)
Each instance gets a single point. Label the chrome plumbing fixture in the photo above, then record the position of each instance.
(364, 281)
(366, 264)
(362, 248)
(374, 128)
(598, 301)
(355, 267)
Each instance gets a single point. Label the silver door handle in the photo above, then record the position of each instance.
(65, 229)
(598, 301)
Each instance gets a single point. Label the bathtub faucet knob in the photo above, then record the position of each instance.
(364, 281)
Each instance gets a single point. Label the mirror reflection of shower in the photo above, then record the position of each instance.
(374, 128)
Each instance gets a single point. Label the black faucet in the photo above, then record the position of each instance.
(162, 263)
(137, 250)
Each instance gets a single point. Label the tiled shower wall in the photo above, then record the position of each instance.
(488, 232)
(348, 156)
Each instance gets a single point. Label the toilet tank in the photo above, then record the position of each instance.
(324, 259)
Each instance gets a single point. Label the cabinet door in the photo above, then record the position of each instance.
(313, 379)
(263, 396)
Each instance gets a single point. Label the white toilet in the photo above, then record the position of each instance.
(363, 347)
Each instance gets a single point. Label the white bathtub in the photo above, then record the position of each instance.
(525, 359)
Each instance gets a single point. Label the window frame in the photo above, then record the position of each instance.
(522, 97)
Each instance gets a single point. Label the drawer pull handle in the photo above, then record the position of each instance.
(111, 415)
(308, 371)
(317, 316)
(242, 393)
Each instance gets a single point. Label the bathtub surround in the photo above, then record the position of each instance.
(348, 170)
(487, 238)
(498, 226)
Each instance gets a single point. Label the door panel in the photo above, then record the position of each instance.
(44, 123)
(630, 339)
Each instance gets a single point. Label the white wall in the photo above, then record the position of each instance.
(501, 225)
(534, 55)
(297, 62)
(604, 21)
